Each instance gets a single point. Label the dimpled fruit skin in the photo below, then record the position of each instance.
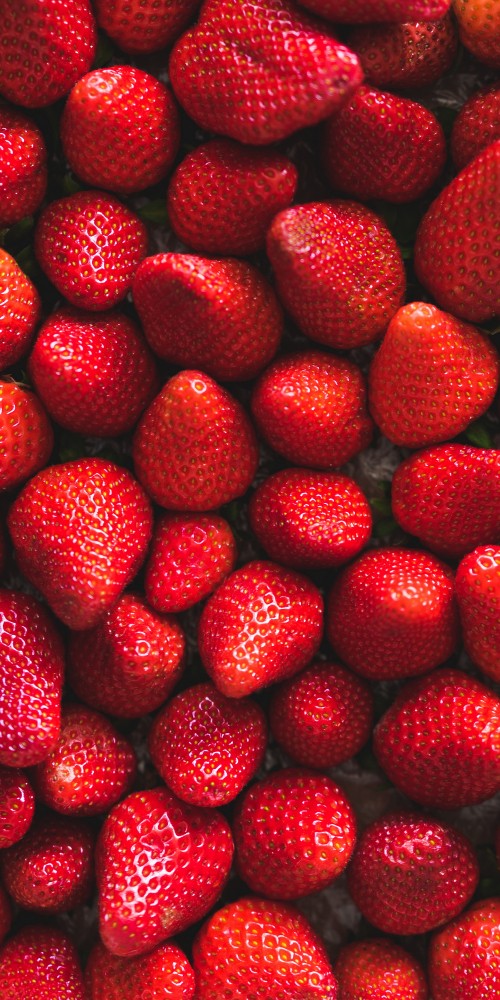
(358, 11)
(439, 742)
(338, 271)
(207, 747)
(42, 963)
(256, 949)
(177, 854)
(379, 969)
(478, 593)
(24, 166)
(479, 28)
(20, 309)
(140, 26)
(463, 957)
(17, 805)
(26, 436)
(405, 55)
(476, 125)
(163, 974)
(263, 624)
(80, 532)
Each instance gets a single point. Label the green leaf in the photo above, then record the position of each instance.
(154, 212)
(479, 435)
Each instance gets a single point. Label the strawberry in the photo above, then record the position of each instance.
(95, 374)
(439, 742)
(40, 963)
(268, 69)
(130, 662)
(311, 408)
(24, 166)
(310, 519)
(80, 532)
(476, 125)
(31, 678)
(478, 594)
(221, 316)
(257, 946)
(338, 270)
(380, 145)
(46, 46)
(194, 448)
(323, 716)
(405, 56)
(89, 246)
(294, 833)
(449, 497)
(455, 255)
(20, 309)
(463, 957)
(140, 26)
(17, 806)
(207, 747)
(432, 375)
(263, 624)
(26, 437)
(178, 855)
(379, 969)
(120, 129)
(479, 28)
(189, 556)
(5, 914)
(359, 11)
(223, 196)
(163, 974)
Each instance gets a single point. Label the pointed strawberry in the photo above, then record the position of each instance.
(476, 126)
(477, 586)
(405, 56)
(42, 963)
(163, 974)
(360, 11)
(479, 28)
(17, 805)
(26, 436)
(379, 969)
(463, 957)
(140, 26)
(19, 313)
(24, 166)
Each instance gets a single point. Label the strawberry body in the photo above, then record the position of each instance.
(20, 309)
(476, 126)
(24, 166)
(17, 805)
(404, 56)
(463, 957)
(379, 969)
(42, 963)
(479, 28)
(359, 11)
(163, 974)
(140, 26)
(478, 594)
(26, 436)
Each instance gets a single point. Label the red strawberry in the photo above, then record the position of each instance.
(130, 662)
(163, 974)
(95, 374)
(322, 716)
(478, 593)
(476, 126)
(463, 957)
(120, 129)
(359, 11)
(338, 270)
(221, 316)
(46, 46)
(432, 375)
(294, 833)
(5, 914)
(20, 309)
(17, 805)
(311, 408)
(479, 28)
(139, 26)
(405, 56)
(310, 519)
(89, 246)
(449, 497)
(263, 624)
(161, 865)
(26, 437)
(195, 447)
(24, 166)
(255, 945)
(80, 533)
(455, 250)
(268, 69)
(223, 196)
(379, 969)
(40, 963)
(189, 556)
(31, 678)
(380, 145)
(439, 743)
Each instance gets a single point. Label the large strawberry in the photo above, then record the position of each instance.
(479, 28)
(17, 805)
(163, 974)
(140, 26)
(478, 594)
(24, 166)
(379, 969)
(359, 11)
(26, 436)
(405, 56)
(463, 957)
(40, 963)
(476, 125)
(20, 309)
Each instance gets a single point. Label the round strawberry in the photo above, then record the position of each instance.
(404, 56)
(24, 166)
(464, 956)
(17, 806)
(478, 594)
(359, 11)
(476, 125)
(140, 26)
(40, 963)
(20, 309)
(379, 969)
(479, 28)
(163, 974)
(26, 436)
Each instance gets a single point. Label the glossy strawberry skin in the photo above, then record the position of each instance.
(40, 962)
(20, 309)
(359, 11)
(26, 436)
(479, 29)
(17, 805)
(405, 56)
(163, 974)
(140, 26)
(463, 957)
(379, 969)
(478, 594)
(476, 126)
(24, 166)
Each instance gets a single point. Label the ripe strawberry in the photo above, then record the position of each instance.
(46, 46)
(310, 519)
(94, 373)
(268, 69)
(20, 309)
(338, 270)
(257, 946)
(360, 11)
(163, 974)
(31, 678)
(24, 166)
(439, 742)
(194, 448)
(221, 316)
(207, 747)
(120, 129)
(178, 855)
(294, 833)
(432, 375)
(449, 497)
(223, 196)
(405, 56)
(189, 556)
(463, 957)
(140, 26)
(5, 914)
(263, 624)
(89, 246)
(17, 806)
(26, 437)
(455, 255)
(478, 593)
(380, 145)
(379, 969)
(479, 28)
(476, 125)
(130, 662)
(40, 963)
(80, 532)
(311, 408)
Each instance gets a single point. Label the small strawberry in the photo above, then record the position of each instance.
(338, 269)
(439, 742)
(178, 856)
(221, 316)
(464, 957)
(17, 806)
(26, 436)
(40, 963)
(476, 125)
(478, 594)
(89, 246)
(360, 11)
(20, 309)
(24, 166)
(263, 624)
(455, 251)
(223, 196)
(5, 914)
(479, 28)
(80, 532)
(194, 448)
(163, 974)
(379, 969)
(140, 26)
(311, 408)
(405, 56)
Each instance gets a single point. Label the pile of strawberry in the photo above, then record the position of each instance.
(214, 618)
